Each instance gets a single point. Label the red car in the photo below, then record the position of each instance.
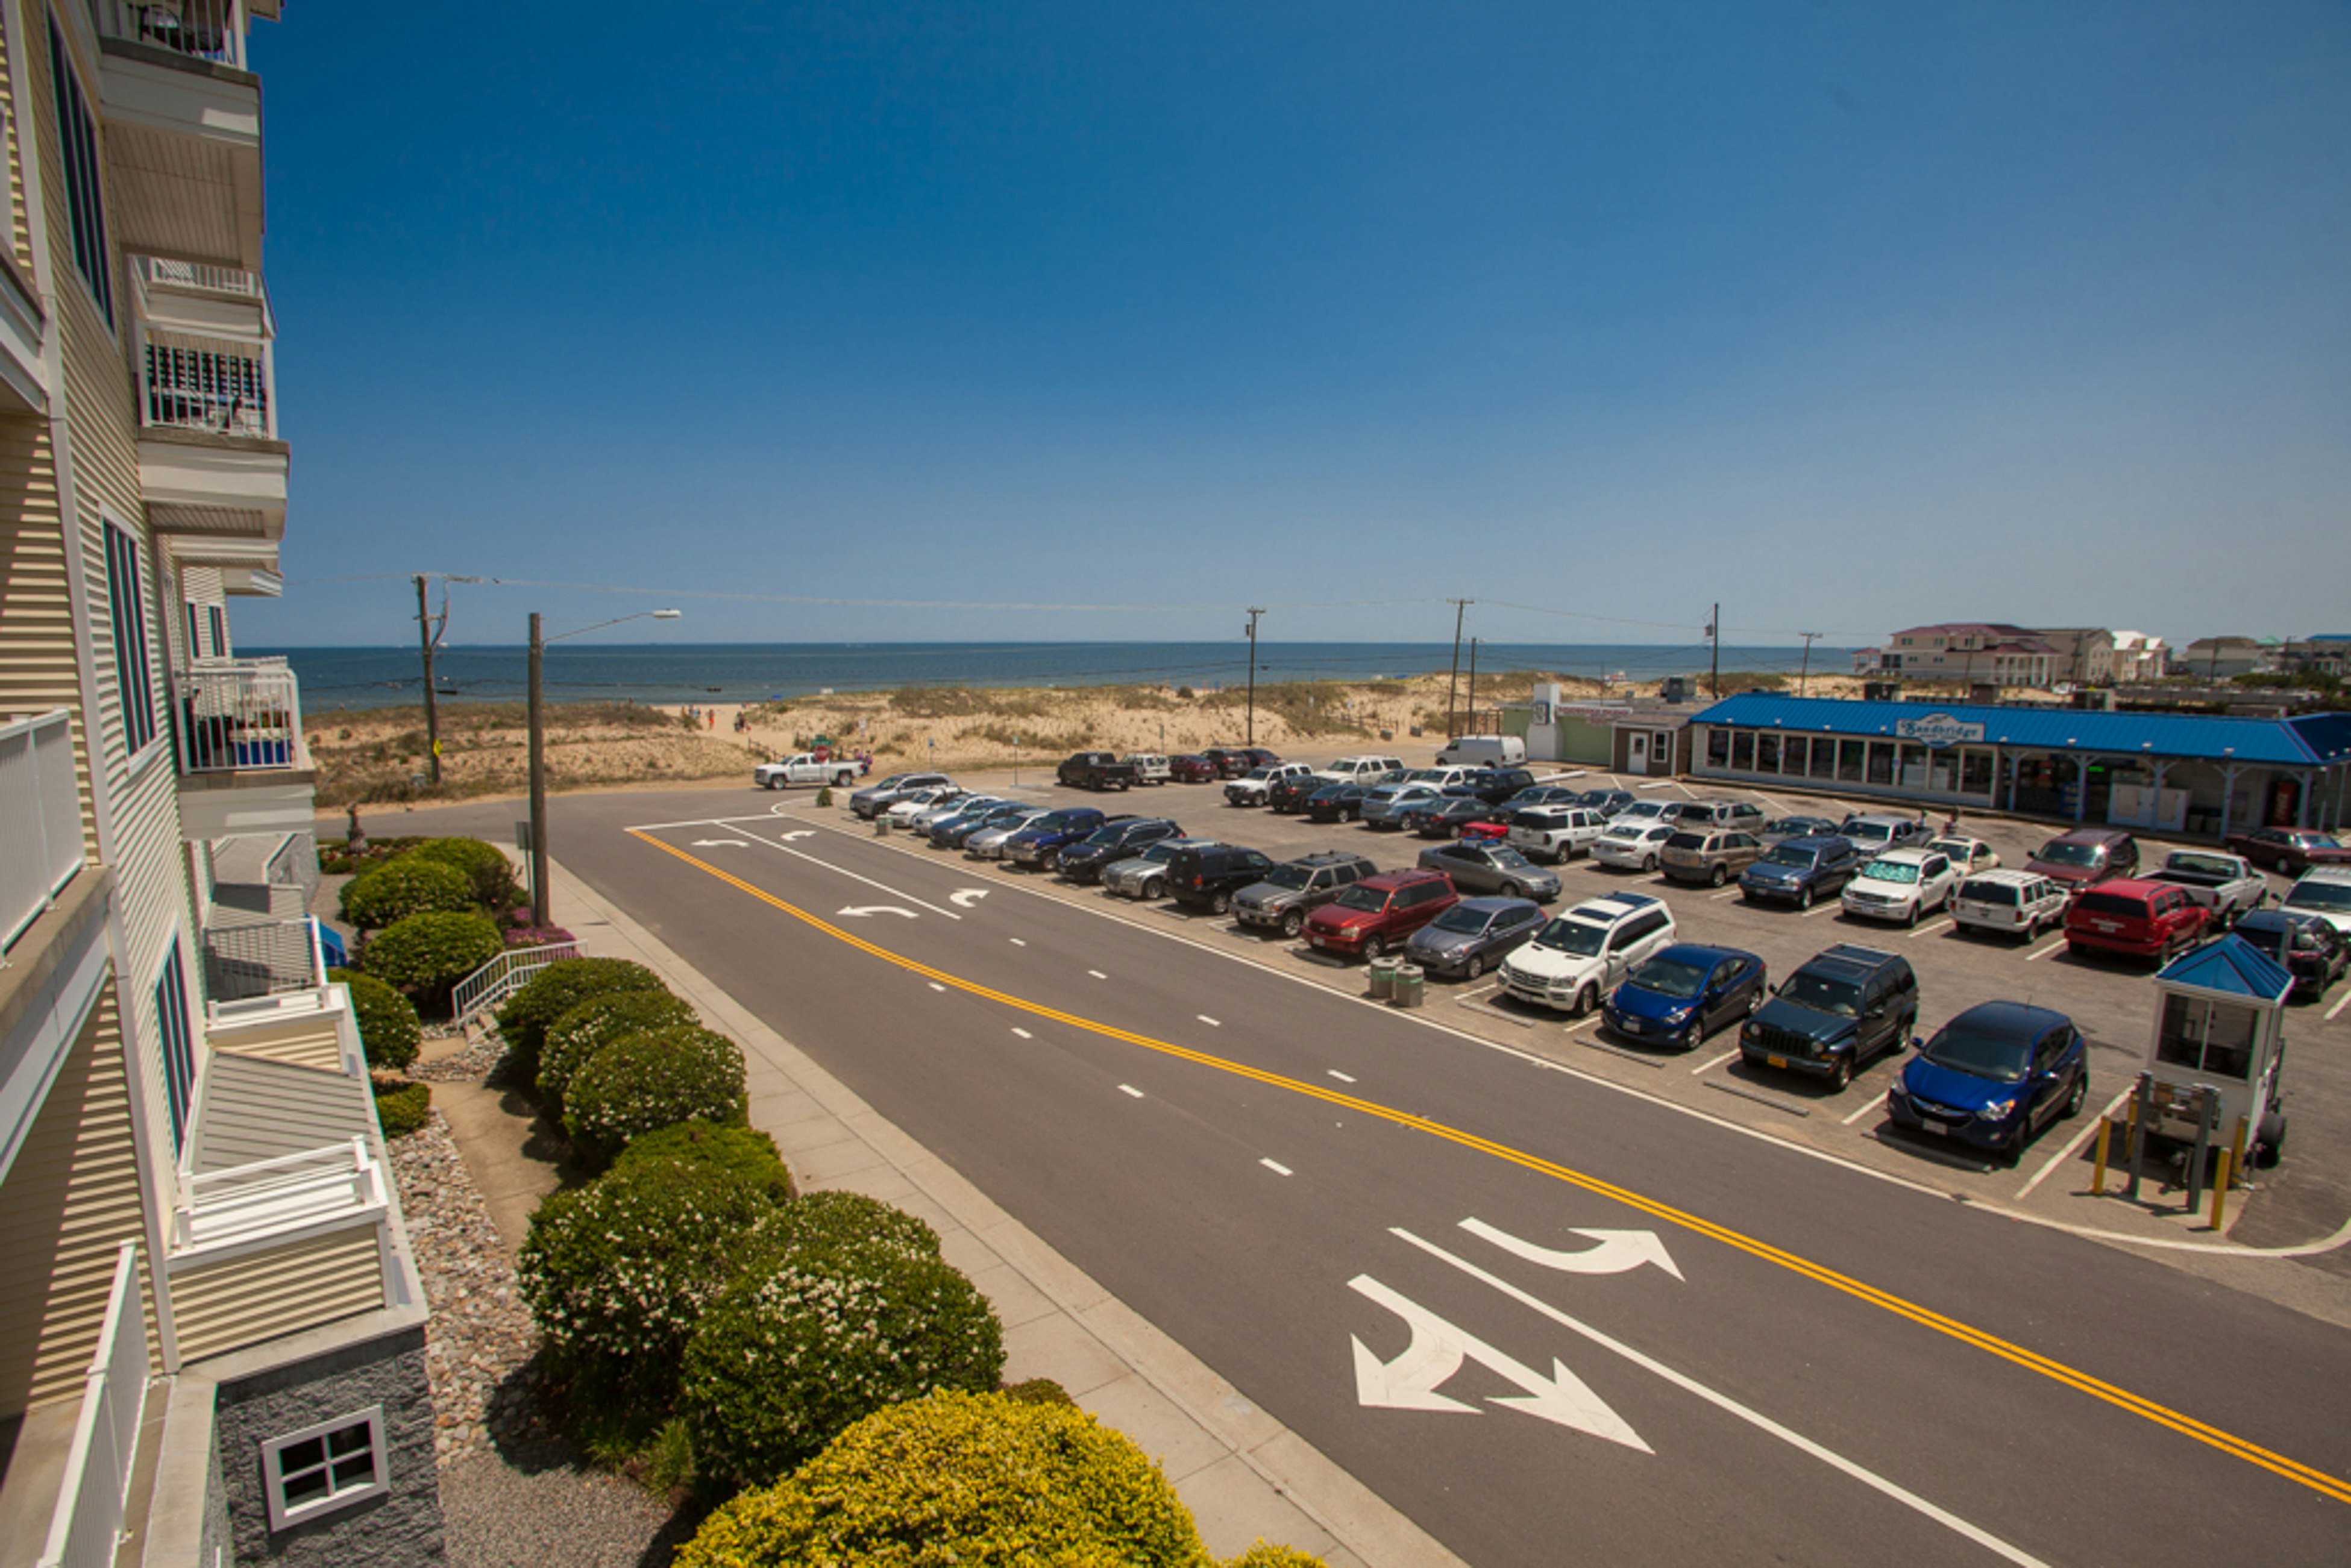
(1191, 767)
(1380, 912)
(1485, 831)
(2138, 919)
(2289, 850)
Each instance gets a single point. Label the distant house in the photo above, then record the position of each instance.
(1968, 651)
(2225, 658)
(2327, 653)
(2139, 657)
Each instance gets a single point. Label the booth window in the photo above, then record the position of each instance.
(2215, 1039)
(323, 1467)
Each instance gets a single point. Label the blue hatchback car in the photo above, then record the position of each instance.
(1993, 1076)
(1684, 992)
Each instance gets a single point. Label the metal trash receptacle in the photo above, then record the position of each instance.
(1383, 974)
(1411, 986)
(881, 827)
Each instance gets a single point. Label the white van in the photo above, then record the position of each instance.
(1485, 751)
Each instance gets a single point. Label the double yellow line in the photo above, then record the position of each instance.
(2252, 1453)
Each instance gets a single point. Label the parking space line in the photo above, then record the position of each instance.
(1716, 1062)
(1482, 991)
(2340, 1003)
(1277, 1167)
(1820, 909)
(2072, 1145)
(1942, 923)
(1130, 1089)
(1872, 1104)
(1726, 892)
(2043, 953)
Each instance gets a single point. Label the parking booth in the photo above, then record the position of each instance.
(2213, 1065)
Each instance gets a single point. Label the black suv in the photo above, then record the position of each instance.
(1287, 796)
(1292, 891)
(1084, 860)
(1213, 874)
(1495, 785)
(1831, 1018)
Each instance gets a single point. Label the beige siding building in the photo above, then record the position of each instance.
(211, 1335)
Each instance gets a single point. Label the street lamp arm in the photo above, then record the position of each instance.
(615, 621)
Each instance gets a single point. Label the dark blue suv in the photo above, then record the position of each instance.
(1083, 861)
(1798, 871)
(1993, 1076)
(1041, 842)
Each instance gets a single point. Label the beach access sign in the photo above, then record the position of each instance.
(1937, 730)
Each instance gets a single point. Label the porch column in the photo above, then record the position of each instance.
(2228, 795)
(2302, 800)
(2155, 807)
(2081, 784)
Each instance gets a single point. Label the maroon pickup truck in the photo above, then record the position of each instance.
(2289, 850)
(2135, 918)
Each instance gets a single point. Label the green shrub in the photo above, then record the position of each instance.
(401, 1108)
(429, 952)
(486, 869)
(995, 1484)
(824, 795)
(1037, 1391)
(812, 1340)
(843, 1219)
(741, 1152)
(594, 1024)
(389, 1031)
(398, 889)
(1264, 1554)
(555, 991)
(617, 1273)
(654, 1078)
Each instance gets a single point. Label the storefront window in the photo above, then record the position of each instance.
(1767, 754)
(1943, 773)
(1914, 768)
(1881, 762)
(1849, 756)
(1975, 773)
(1742, 751)
(1824, 757)
(1718, 748)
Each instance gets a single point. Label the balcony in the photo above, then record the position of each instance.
(243, 767)
(183, 129)
(81, 1455)
(210, 466)
(40, 819)
(247, 959)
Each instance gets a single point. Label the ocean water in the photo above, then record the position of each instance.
(335, 678)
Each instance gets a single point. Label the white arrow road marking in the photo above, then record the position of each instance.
(861, 910)
(1409, 1382)
(964, 897)
(720, 844)
(796, 833)
(1618, 1252)
(1755, 1419)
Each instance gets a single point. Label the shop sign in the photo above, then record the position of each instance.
(1937, 730)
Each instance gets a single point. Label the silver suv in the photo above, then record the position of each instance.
(1291, 892)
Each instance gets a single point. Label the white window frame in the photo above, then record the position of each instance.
(273, 1479)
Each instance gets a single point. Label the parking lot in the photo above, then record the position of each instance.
(2303, 1201)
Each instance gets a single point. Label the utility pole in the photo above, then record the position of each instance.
(1460, 608)
(1473, 680)
(1810, 638)
(1255, 611)
(1714, 639)
(428, 636)
(537, 784)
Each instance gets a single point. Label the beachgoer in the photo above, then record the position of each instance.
(864, 763)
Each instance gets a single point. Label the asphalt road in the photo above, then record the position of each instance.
(1802, 1363)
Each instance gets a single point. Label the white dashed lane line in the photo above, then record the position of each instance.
(1024, 1034)
(936, 987)
(1018, 943)
(1130, 1089)
(1277, 1167)
(1341, 1077)
(1209, 1021)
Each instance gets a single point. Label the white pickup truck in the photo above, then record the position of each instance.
(2227, 885)
(804, 768)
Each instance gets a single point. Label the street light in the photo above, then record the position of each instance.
(538, 914)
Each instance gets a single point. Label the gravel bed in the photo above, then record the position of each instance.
(477, 1062)
(499, 1515)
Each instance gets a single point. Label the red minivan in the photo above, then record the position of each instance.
(1380, 912)
(2141, 919)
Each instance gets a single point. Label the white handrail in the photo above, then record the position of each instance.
(86, 1527)
(239, 714)
(268, 1197)
(40, 818)
(491, 984)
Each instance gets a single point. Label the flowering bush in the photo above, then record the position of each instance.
(976, 1479)
(594, 1024)
(810, 1340)
(429, 952)
(841, 1218)
(654, 1078)
(555, 990)
(484, 865)
(397, 889)
(389, 1031)
(737, 1150)
(530, 935)
(617, 1273)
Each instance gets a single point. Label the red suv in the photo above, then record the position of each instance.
(1191, 767)
(1380, 912)
(2142, 919)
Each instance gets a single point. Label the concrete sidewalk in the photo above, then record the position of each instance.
(1244, 1474)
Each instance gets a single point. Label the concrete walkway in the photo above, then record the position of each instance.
(1244, 1475)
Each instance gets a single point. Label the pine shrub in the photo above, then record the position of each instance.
(389, 1031)
(652, 1079)
(809, 1340)
(741, 1152)
(555, 991)
(484, 865)
(395, 890)
(594, 1024)
(976, 1479)
(429, 952)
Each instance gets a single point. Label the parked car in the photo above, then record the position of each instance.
(1383, 806)
(1486, 829)
(1579, 956)
(1296, 889)
(958, 806)
(1492, 868)
(1607, 802)
(1150, 767)
(1096, 770)
(1041, 842)
(1475, 934)
(1967, 855)
(1111, 843)
(1639, 811)
(1359, 769)
(1631, 846)
(1288, 797)
(903, 810)
(1553, 834)
(1235, 761)
(1873, 834)
(1535, 795)
(1336, 802)
(1741, 816)
(1251, 788)
(2306, 947)
(1191, 767)
(2292, 851)
(1447, 779)
(1993, 1076)
(1446, 818)
(2326, 891)
(987, 844)
(2226, 886)
(1901, 884)
(1709, 855)
(1485, 750)
(1379, 913)
(2013, 902)
(1495, 785)
(1683, 994)
(2085, 857)
(954, 832)
(1844, 1008)
(2135, 918)
(1210, 876)
(1800, 870)
(1144, 876)
(872, 801)
(806, 768)
(1781, 828)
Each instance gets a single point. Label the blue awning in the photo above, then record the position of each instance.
(2232, 967)
(2311, 741)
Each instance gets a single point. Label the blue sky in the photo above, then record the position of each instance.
(1850, 316)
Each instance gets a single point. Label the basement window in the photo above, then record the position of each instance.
(324, 1467)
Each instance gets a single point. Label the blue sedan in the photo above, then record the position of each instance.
(1684, 993)
(1993, 1076)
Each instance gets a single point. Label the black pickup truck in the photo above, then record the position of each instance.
(1096, 770)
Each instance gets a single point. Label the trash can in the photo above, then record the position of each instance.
(882, 826)
(1384, 973)
(1411, 986)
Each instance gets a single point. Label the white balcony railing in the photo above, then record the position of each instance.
(87, 1525)
(341, 1184)
(491, 984)
(155, 271)
(244, 959)
(209, 30)
(239, 715)
(217, 385)
(40, 819)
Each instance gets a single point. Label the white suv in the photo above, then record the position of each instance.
(1902, 885)
(2324, 891)
(1554, 833)
(1251, 789)
(1579, 957)
(1632, 846)
(2013, 902)
(1360, 769)
(1150, 767)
